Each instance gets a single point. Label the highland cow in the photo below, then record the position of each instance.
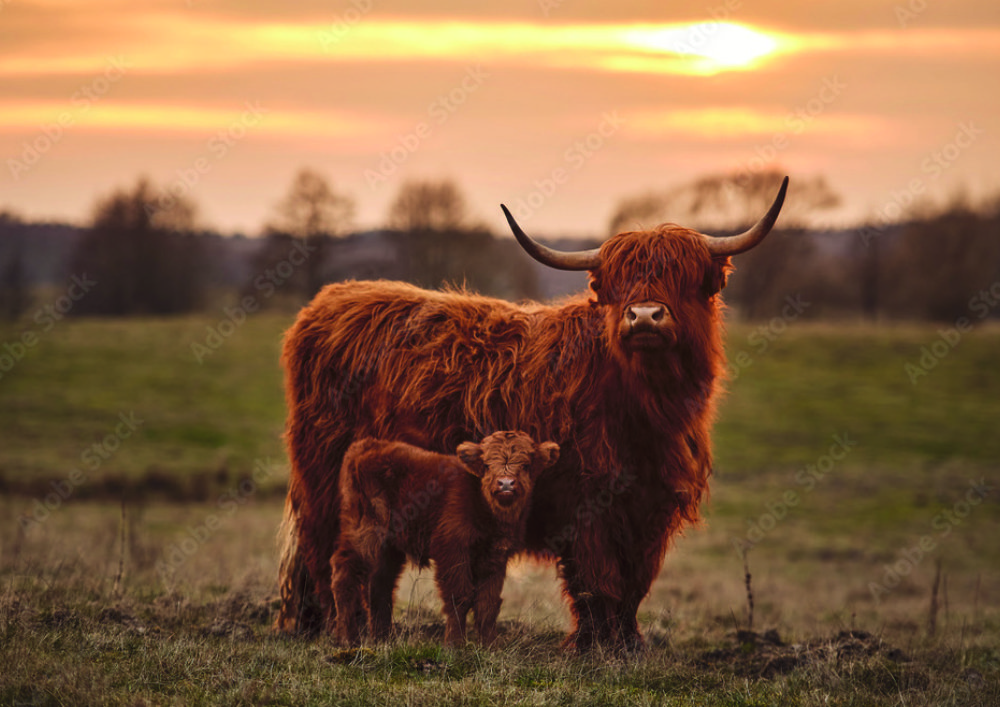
(466, 513)
(624, 379)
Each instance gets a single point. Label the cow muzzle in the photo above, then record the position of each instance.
(506, 491)
(647, 325)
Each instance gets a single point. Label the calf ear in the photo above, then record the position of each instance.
(548, 453)
(471, 455)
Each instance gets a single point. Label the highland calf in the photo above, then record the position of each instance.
(466, 513)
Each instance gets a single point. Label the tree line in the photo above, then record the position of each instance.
(149, 257)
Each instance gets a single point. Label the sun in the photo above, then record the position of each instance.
(709, 46)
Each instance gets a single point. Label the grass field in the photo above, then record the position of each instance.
(853, 483)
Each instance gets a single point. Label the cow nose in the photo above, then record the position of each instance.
(646, 315)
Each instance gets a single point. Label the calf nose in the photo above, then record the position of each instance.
(648, 315)
(506, 486)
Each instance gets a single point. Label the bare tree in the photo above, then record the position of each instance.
(440, 245)
(725, 202)
(313, 212)
(427, 205)
(637, 213)
(937, 267)
(143, 254)
(14, 295)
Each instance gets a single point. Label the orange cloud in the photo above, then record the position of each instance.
(252, 117)
(167, 40)
(740, 122)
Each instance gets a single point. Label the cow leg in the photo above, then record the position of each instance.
(382, 594)
(595, 621)
(629, 637)
(351, 577)
(317, 546)
(637, 583)
(456, 609)
(638, 577)
(310, 539)
(312, 519)
(594, 613)
(300, 611)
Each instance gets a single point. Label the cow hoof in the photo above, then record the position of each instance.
(578, 642)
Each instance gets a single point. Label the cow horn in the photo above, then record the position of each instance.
(578, 260)
(731, 245)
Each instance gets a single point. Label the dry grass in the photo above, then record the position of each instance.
(201, 635)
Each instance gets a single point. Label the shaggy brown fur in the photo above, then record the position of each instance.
(398, 501)
(631, 415)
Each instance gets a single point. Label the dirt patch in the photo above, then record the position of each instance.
(228, 629)
(766, 655)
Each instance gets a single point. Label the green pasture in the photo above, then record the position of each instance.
(847, 482)
(208, 401)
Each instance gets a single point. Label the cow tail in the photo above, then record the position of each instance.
(287, 546)
(299, 610)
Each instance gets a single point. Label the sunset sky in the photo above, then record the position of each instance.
(564, 107)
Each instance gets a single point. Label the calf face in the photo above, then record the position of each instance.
(508, 464)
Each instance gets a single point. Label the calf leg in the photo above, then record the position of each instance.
(382, 593)
(351, 578)
(457, 595)
(487, 605)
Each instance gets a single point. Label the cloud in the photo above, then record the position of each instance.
(110, 115)
(157, 42)
(171, 40)
(722, 123)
